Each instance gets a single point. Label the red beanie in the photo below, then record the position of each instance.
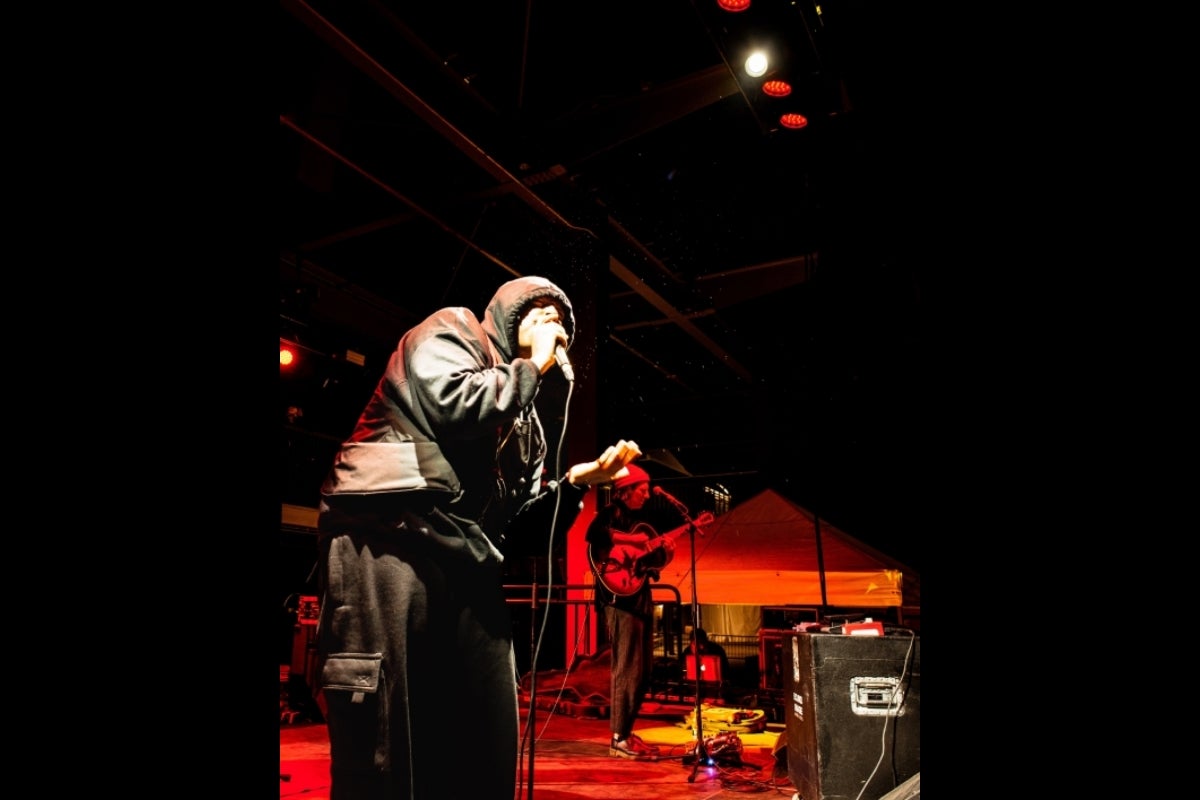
(636, 475)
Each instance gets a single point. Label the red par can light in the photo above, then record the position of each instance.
(777, 88)
(793, 121)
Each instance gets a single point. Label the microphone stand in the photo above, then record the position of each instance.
(700, 753)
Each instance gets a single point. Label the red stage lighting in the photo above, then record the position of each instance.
(287, 356)
(794, 121)
(777, 88)
(734, 5)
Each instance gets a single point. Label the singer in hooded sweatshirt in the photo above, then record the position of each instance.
(445, 462)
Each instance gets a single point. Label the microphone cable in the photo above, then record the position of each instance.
(528, 735)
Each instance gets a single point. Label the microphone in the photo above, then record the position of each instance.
(663, 493)
(680, 507)
(560, 355)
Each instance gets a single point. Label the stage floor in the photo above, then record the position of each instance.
(571, 760)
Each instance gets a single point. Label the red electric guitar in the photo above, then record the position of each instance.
(624, 568)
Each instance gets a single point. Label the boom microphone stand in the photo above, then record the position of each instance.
(700, 753)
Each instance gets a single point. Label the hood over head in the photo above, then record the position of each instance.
(502, 319)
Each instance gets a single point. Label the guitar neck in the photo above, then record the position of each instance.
(704, 519)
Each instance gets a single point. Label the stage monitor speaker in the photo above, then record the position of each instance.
(852, 706)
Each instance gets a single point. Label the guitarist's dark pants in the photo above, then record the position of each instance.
(632, 636)
(416, 638)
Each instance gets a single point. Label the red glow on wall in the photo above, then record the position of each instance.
(777, 88)
(794, 121)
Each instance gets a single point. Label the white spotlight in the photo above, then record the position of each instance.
(756, 64)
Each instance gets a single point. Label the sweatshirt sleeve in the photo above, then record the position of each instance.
(533, 519)
(450, 372)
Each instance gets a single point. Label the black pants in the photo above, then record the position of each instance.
(632, 638)
(415, 644)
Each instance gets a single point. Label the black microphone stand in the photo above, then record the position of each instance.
(700, 753)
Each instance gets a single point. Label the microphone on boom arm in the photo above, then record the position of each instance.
(673, 500)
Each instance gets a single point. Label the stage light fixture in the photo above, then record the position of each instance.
(793, 121)
(287, 356)
(733, 6)
(756, 64)
(777, 88)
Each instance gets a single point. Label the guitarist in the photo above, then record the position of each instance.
(629, 619)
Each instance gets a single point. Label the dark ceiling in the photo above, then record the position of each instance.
(751, 298)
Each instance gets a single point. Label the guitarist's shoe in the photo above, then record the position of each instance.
(633, 747)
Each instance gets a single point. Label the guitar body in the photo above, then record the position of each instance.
(624, 568)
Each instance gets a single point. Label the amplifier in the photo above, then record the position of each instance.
(848, 700)
(309, 610)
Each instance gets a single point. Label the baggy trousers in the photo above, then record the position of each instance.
(417, 659)
(632, 638)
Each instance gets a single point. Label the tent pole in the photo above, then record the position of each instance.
(820, 558)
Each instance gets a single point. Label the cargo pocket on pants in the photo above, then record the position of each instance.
(357, 711)
(355, 673)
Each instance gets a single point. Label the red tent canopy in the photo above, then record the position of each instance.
(764, 552)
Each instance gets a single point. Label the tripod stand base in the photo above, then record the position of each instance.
(723, 749)
(719, 760)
